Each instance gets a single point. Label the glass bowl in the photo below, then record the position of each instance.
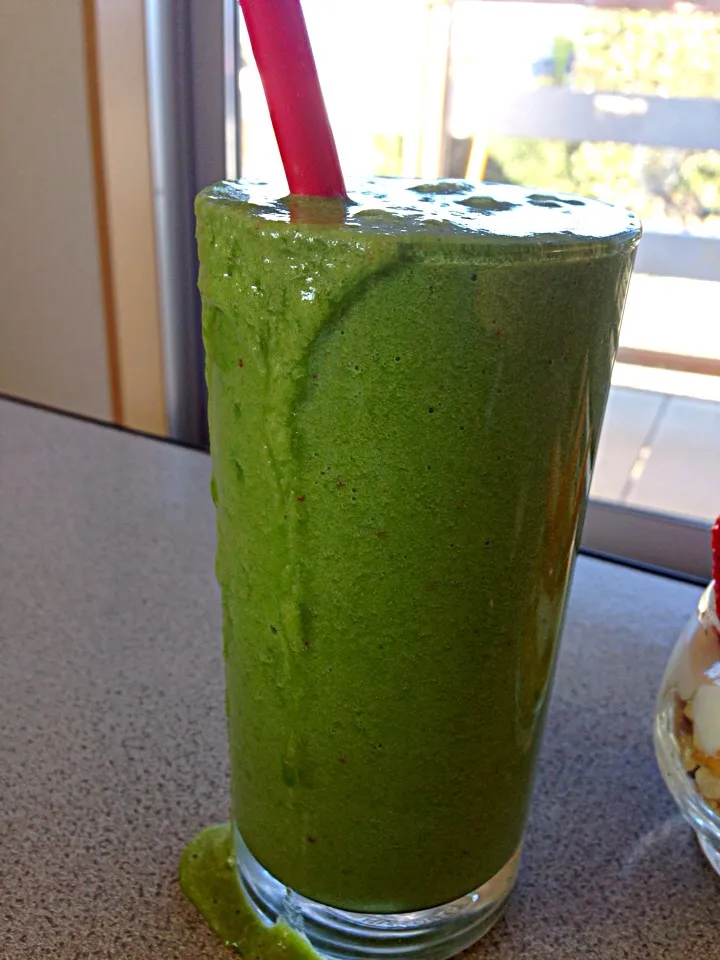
(687, 725)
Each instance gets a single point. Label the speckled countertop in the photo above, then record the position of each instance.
(112, 740)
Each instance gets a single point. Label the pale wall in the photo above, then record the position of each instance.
(52, 323)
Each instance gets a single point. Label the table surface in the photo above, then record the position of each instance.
(112, 738)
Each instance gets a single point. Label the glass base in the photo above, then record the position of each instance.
(434, 934)
(711, 848)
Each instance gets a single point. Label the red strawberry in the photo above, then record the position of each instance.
(715, 547)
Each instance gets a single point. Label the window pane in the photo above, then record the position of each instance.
(619, 104)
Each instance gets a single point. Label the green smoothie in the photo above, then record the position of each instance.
(209, 880)
(405, 398)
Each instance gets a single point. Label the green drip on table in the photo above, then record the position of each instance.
(208, 879)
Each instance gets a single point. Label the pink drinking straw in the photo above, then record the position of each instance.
(284, 58)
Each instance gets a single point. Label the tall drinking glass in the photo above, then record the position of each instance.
(405, 398)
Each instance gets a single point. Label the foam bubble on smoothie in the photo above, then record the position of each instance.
(446, 186)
